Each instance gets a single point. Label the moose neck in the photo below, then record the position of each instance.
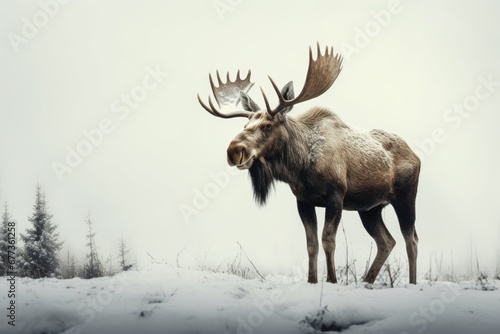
(285, 164)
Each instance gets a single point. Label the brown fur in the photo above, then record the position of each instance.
(329, 164)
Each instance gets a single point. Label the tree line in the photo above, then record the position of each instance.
(39, 255)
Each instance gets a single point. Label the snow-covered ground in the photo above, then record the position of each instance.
(165, 299)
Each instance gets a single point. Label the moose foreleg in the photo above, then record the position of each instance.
(308, 216)
(332, 220)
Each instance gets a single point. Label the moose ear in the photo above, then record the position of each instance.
(288, 94)
(247, 102)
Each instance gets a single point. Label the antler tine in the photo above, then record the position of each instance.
(282, 102)
(218, 78)
(321, 74)
(204, 105)
(268, 107)
(212, 110)
(277, 90)
(214, 88)
(310, 55)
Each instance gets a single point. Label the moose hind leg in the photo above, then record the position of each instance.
(405, 210)
(308, 216)
(374, 225)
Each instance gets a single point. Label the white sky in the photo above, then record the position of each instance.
(66, 77)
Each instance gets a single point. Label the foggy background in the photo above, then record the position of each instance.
(407, 65)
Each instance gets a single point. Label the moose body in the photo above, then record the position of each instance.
(327, 164)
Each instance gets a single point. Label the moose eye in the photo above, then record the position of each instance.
(268, 127)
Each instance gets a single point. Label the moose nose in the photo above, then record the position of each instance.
(235, 153)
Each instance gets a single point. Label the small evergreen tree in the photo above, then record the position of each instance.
(108, 265)
(4, 240)
(41, 246)
(122, 252)
(69, 269)
(93, 265)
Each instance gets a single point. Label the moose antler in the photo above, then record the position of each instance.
(321, 74)
(227, 94)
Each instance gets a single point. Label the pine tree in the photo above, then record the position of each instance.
(41, 245)
(4, 240)
(93, 265)
(122, 252)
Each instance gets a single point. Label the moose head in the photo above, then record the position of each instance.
(265, 132)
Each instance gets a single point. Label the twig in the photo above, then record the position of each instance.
(391, 279)
(173, 293)
(178, 254)
(498, 254)
(205, 258)
(346, 256)
(152, 258)
(322, 283)
(353, 272)
(250, 261)
(216, 269)
(477, 262)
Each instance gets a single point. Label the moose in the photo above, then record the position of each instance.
(325, 162)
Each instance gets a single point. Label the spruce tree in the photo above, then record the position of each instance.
(93, 265)
(41, 246)
(108, 266)
(122, 252)
(4, 240)
(69, 269)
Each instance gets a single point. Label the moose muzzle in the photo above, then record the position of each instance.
(239, 155)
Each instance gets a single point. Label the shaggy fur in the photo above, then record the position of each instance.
(329, 164)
